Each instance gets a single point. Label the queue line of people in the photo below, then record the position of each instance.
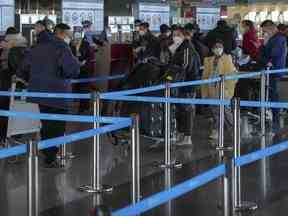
(217, 54)
(55, 58)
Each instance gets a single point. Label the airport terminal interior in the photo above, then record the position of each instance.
(143, 107)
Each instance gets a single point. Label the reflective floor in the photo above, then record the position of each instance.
(264, 182)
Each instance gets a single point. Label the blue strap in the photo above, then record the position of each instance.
(61, 117)
(169, 100)
(68, 139)
(45, 95)
(13, 151)
(167, 195)
(275, 105)
(267, 152)
(96, 79)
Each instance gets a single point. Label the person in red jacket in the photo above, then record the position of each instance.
(250, 39)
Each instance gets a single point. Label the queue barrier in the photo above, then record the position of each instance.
(198, 181)
(32, 149)
(228, 170)
(82, 96)
(232, 179)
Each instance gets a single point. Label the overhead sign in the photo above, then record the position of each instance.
(207, 18)
(218, 2)
(7, 14)
(74, 12)
(154, 14)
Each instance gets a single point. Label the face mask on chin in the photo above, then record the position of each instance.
(67, 40)
(142, 33)
(218, 51)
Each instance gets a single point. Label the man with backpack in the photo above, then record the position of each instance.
(13, 49)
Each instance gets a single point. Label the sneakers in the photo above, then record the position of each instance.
(213, 138)
(214, 135)
(185, 141)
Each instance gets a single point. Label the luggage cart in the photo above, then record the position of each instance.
(20, 130)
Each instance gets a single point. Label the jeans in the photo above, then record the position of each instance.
(51, 129)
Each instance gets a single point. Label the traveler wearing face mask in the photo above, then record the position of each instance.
(42, 30)
(184, 56)
(86, 53)
(218, 64)
(48, 65)
(149, 45)
(165, 40)
(136, 36)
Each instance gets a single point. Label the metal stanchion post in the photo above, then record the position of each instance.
(135, 156)
(263, 109)
(220, 146)
(227, 184)
(168, 147)
(32, 178)
(64, 155)
(96, 186)
(238, 204)
(168, 185)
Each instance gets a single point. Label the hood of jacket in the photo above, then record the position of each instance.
(15, 40)
(44, 37)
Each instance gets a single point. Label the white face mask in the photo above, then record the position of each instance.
(218, 51)
(137, 28)
(178, 40)
(67, 40)
(168, 34)
(141, 33)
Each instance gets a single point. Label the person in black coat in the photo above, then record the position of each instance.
(184, 55)
(165, 40)
(149, 45)
(223, 33)
(48, 65)
(193, 31)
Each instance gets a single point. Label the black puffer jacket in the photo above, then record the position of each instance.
(187, 57)
(151, 44)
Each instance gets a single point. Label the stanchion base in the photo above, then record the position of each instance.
(69, 156)
(174, 165)
(246, 206)
(91, 189)
(224, 149)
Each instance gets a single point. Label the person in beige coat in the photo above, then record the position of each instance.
(218, 64)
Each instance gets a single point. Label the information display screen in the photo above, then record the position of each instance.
(207, 18)
(7, 14)
(154, 14)
(74, 12)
